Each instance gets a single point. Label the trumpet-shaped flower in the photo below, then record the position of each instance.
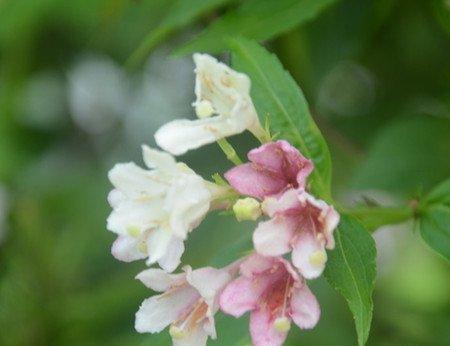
(222, 92)
(188, 304)
(300, 223)
(273, 168)
(154, 210)
(275, 295)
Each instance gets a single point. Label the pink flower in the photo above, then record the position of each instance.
(275, 294)
(274, 167)
(300, 223)
(188, 304)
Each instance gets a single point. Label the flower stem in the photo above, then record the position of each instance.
(375, 217)
(229, 151)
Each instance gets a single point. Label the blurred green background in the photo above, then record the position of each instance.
(376, 74)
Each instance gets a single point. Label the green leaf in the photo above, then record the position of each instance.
(256, 19)
(410, 153)
(434, 219)
(351, 270)
(181, 13)
(279, 99)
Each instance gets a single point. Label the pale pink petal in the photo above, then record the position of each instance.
(328, 216)
(283, 158)
(272, 238)
(256, 264)
(262, 330)
(125, 249)
(250, 180)
(308, 255)
(304, 308)
(297, 166)
(269, 156)
(240, 296)
(331, 222)
(283, 204)
(195, 337)
(159, 280)
(208, 281)
(157, 312)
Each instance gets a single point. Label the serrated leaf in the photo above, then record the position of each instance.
(434, 219)
(351, 270)
(256, 19)
(277, 97)
(181, 13)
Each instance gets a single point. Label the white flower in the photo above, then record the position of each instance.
(221, 91)
(188, 303)
(154, 210)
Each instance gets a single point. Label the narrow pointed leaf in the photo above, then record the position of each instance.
(351, 270)
(256, 19)
(180, 14)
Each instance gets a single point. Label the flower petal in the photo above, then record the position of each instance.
(219, 84)
(283, 158)
(155, 158)
(157, 312)
(282, 204)
(240, 296)
(208, 281)
(187, 201)
(256, 264)
(272, 238)
(251, 180)
(262, 330)
(139, 215)
(179, 136)
(157, 243)
(172, 257)
(194, 337)
(309, 255)
(159, 280)
(134, 181)
(304, 308)
(125, 249)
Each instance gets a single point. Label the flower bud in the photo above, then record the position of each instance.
(247, 209)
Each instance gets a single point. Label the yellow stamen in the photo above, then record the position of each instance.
(204, 109)
(282, 324)
(318, 258)
(134, 231)
(142, 247)
(176, 332)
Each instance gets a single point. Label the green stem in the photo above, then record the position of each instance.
(229, 151)
(375, 217)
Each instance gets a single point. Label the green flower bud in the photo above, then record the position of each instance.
(247, 209)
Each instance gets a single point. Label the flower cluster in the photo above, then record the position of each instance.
(155, 209)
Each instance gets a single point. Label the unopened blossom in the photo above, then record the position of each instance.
(275, 294)
(188, 304)
(273, 168)
(154, 209)
(221, 92)
(300, 223)
(247, 209)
